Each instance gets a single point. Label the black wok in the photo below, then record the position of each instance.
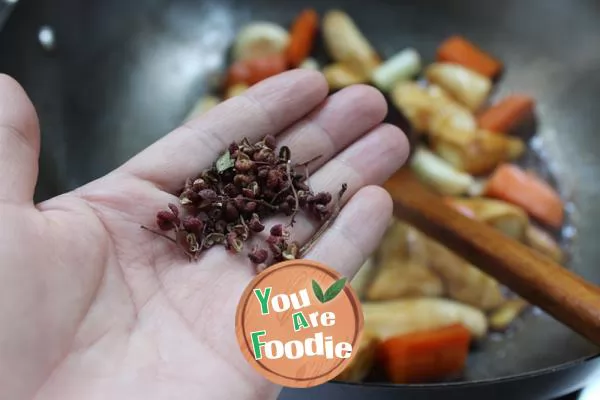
(126, 72)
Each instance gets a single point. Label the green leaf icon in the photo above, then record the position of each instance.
(334, 290)
(224, 162)
(318, 291)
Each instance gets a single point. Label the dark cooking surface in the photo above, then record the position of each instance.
(126, 72)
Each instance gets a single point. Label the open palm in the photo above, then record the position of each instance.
(93, 307)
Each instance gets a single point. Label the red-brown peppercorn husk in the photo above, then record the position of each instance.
(208, 195)
(258, 256)
(231, 212)
(192, 224)
(255, 225)
(277, 230)
(228, 203)
(244, 165)
(174, 209)
(270, 142)
(166, 220)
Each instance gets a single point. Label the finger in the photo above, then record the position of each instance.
(19, 143)
(339, 121)
(356, 232)
(267, 108)
(369, 161)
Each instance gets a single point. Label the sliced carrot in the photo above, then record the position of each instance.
(506, 114)
(457, 49)
(302, 36)
(512, 184)
(426, 356)
(255, 70)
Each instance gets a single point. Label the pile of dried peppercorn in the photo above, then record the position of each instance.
(229, 202)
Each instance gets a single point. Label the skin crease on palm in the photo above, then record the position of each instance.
(93, 307)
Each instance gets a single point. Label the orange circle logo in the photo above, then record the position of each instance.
(298, 323)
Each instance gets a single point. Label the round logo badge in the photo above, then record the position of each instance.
(298, 323)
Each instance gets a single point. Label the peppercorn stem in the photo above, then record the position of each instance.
(305, 165)
(288, 170)
(280, 192)
(158, 233)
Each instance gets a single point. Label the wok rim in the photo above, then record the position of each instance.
(478, 382)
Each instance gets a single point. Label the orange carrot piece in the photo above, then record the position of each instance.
(255, 70)
(457, 49)
(426, 356)
(512, 184)
(302, 36)
(506, 114)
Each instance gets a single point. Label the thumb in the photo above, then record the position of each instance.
(19, 143)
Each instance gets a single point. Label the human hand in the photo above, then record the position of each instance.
(93, 307)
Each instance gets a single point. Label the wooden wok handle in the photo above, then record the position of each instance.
(562, 294)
